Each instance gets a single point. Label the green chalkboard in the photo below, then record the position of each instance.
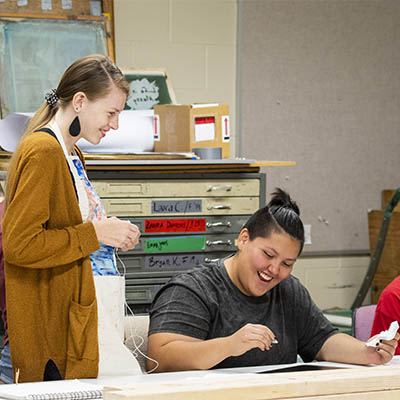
(35, 52)
(148, 88)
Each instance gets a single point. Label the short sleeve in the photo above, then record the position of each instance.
(313, 328)
(178, 309)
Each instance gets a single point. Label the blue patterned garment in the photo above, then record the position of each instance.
(103, 260)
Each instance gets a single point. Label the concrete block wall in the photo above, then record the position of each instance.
(194, 39)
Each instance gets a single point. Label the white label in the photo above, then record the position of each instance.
(47, 4)
(66, 4)
(22, 3)
(156, 126)
(204, 105)
(95, 8)
(225, 128)
(307, 234)
(203, 132)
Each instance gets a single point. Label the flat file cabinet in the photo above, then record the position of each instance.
(185, 219)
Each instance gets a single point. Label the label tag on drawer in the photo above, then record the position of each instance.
(175, 244)
(173, 262)
(175, 225)
(176, 206)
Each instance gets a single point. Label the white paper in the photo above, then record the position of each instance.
(204, 105)
(134, 134)
(307, 234)
(46, 4)
(95, 8)
(66, 4)
(25, 390)
(203, 132)
(12, 127)
(384, 335)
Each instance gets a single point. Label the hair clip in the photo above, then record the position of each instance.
(51, 97)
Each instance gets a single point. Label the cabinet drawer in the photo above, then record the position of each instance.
(177, 188)
(191, 206)
(166, 265)
(183, 244)
(190, 225)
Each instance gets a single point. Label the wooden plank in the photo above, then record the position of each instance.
(389, 266)
(108, 12)
(274, 163)
(50, 16)
(361, 383)
(384, 395)
(386, 197)
(174, 168)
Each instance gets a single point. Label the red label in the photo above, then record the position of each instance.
(175, 225)
(204, 120)
(155, 126)
(226, 127)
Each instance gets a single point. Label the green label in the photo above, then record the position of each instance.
(175, 244)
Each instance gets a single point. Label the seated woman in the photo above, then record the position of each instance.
(249, 310)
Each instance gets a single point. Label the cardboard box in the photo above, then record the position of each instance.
(58, 7)
(181, 128)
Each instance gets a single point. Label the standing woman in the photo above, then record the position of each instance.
(55, 229)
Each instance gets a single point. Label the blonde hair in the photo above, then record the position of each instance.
(93, 75)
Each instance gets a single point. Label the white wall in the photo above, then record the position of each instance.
(319, 84)
(195, 40)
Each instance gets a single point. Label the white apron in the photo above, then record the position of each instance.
(114, 357)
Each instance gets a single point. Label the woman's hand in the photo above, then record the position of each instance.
(117, 233)
(249, 337)
(384, 352)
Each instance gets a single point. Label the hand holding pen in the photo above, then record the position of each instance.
(251, 336)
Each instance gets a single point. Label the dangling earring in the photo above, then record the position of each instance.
(75, 127)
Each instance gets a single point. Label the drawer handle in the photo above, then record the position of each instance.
(215, 224)
(227, 188)
(219, 207)
(219, 243)
(211, 260)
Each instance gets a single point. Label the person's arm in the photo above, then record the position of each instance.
(27, 239)
(181, 319)
(346, 349)
(175, 352)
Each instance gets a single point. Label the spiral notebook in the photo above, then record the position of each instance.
(72, 389)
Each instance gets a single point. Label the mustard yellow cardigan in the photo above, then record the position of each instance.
(50, 293)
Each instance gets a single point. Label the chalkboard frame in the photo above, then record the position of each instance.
(8, 87)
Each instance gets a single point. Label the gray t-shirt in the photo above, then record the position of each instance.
(205, 304)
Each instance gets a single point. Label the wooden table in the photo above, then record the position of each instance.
(372, 383)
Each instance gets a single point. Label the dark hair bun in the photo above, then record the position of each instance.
(281, 199)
